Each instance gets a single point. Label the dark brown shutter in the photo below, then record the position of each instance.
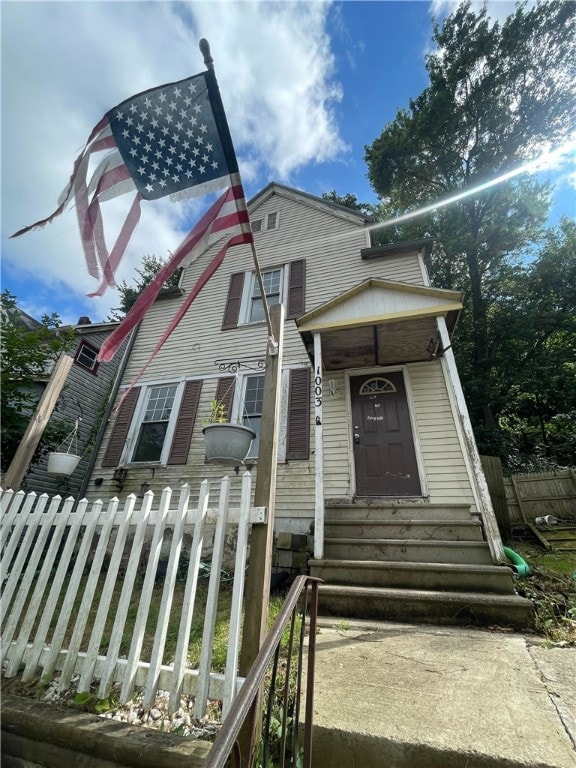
(225, 393)
(232, 311)
(120, 429)
(298, 437)
(185, 423)
(296, 304)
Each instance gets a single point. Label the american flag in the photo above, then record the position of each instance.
(226, 221)
(172, 140)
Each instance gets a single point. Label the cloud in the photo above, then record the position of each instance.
(276, 74)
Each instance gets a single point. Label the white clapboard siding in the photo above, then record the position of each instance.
(56, 557)
(447, 476)
(331, 242)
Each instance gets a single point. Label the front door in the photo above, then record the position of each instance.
(384, 453)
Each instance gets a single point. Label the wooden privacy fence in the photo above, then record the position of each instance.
(544, 493)
(62, 569)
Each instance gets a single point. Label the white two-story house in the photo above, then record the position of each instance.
(376, 454)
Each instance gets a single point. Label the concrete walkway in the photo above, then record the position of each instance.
(404, 696)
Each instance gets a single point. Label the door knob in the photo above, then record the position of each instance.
(356, 437)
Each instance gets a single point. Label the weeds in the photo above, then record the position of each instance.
(552, 590)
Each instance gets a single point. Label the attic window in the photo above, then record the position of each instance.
(269, 221)
(86, 356)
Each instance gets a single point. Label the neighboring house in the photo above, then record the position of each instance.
(376, 448)
(85, 397)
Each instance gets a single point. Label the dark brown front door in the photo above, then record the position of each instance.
(384, 453)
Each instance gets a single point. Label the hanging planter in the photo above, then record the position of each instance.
(227, 443)
(65, 460)
(62, 463)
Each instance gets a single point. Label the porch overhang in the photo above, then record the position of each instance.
(380, 322)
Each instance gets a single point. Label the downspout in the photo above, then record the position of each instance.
(105, 418)
(481, 488)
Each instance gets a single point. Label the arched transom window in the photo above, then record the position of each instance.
(377, 386)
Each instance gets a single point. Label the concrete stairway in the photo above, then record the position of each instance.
(414, 562)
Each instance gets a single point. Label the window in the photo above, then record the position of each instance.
(377, 386)
(272, 282)
(154, 424)
(269, 221)
(252, 408)
(286, 284)
(86, 356)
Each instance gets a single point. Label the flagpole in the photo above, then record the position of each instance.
(221, 120)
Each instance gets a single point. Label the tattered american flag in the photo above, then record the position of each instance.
(226, 221)
(172, 140)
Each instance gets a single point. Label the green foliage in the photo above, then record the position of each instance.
(497, 95)
(88, 701)
(27, 352)
(151, 265)
(217, 412)
(349, 201)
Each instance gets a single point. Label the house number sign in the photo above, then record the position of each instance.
(318, 387)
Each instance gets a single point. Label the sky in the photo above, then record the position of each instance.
(305, 85)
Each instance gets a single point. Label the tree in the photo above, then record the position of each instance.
(498, 95)
(348, 201)
(533, 336)
(151, 265)
(28, 349)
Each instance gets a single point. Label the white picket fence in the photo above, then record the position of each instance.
(50, 555)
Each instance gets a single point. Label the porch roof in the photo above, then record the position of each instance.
(380, 322)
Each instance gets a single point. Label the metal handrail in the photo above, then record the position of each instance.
(226, 740)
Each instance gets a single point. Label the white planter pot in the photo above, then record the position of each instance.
(227, 443)
(62, 463)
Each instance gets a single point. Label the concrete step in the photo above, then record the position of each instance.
(394, 510)
(437, 576)
(443, 530)
(425, 606)
(407, 550)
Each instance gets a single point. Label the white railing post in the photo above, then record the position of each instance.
(212, 601)
(237, 595)
(187, 613)
(87, 596)
(36, 548)
(167, 596)
(124, 602)
(42, 582)
(145, 598)
(76, 521)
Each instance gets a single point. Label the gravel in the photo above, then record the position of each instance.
(181, 722)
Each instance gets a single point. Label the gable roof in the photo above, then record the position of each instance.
(306, 198)
(375, 300)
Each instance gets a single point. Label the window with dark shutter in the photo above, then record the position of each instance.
(185, 423)
(233, 302)
(298, 435)
(120, 429)
(225, 393)
(296, 304)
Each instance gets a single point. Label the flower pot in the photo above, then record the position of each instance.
(62, 463)
(227, 443)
